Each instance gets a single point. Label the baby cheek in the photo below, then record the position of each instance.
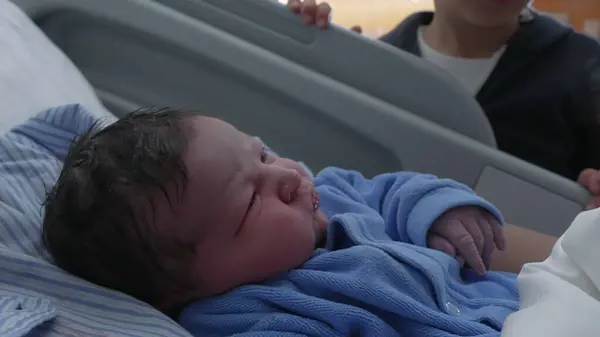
(289, 254)
(293, 239)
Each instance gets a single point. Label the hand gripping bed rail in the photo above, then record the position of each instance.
(209, 56)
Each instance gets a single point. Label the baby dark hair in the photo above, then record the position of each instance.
(92, 227)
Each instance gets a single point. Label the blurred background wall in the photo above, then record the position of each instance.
(379, 16)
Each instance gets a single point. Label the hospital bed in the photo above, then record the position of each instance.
(326, 97)
(254, 64)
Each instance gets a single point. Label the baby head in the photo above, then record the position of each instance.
(168, 206)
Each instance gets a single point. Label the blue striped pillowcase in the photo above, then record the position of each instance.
(36, 296)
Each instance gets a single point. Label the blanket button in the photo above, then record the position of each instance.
(452, 309)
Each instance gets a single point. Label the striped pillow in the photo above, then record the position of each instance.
(36, 296)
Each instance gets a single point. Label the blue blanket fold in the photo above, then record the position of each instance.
(375, 277)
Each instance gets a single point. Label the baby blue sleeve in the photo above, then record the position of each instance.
(408, 202)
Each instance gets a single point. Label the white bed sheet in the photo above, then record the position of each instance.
(34, 73)
(561, 296)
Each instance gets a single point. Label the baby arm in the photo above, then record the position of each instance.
(418, 209)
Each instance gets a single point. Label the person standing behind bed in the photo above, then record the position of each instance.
(537, 80)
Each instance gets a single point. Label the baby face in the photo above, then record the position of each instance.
(249, 215)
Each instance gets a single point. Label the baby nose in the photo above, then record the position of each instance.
(289, 164)
(289, 185)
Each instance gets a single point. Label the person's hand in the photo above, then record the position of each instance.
(590, 179)
(470, 234)
(314, 14)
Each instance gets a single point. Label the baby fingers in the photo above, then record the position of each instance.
(457, 234)
(437, 242)
(485, 225)
(473, 226)
(498, 231)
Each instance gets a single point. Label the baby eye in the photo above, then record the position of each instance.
(264, 156)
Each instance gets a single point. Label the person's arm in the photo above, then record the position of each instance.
(522, 246)
(408, 202)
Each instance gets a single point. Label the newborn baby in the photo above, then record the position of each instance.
(170, 207)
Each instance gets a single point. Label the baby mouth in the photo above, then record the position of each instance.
(316, 201)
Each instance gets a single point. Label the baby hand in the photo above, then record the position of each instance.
(469, 233)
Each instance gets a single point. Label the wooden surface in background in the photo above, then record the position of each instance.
(376, 16)
(379, 16)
